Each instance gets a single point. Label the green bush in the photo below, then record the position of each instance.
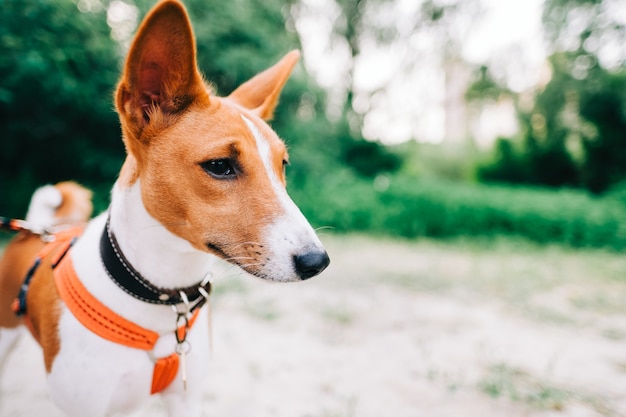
(413, 208)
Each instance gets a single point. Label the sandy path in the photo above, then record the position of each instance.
(345, 345)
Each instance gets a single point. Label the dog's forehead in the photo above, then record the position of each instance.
(220, 130)
(251, 126)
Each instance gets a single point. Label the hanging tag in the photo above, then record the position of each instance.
(182, 349)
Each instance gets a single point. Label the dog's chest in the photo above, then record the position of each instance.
(94, 377)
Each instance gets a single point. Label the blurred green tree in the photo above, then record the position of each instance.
(57, 70)
(352, 24)
(589, 64)
(575, 133)
(603, 104)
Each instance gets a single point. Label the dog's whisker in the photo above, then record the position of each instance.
(180, 223)
(233, 266)
(239, 258)
(238, 244)
(162, 226)
(239, 265)
(251, 264)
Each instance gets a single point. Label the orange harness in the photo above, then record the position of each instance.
(104, 322)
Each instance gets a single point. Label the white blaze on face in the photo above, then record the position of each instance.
(290, 234)
(265, 152)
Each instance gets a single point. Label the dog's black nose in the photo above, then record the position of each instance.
(311, 263)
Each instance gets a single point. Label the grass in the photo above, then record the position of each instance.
(338, 314)
(549, 284)
(513, 270)
(414, 207)
(499, 266)
(263, 310)
(580, 291)
(559, 288)
(517, 385)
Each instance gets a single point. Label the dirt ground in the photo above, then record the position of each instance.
(403, 329)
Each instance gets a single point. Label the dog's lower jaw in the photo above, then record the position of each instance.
(165, 259)
(286, 253)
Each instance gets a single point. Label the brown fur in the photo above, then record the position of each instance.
(76, 207)
(19, 256)
(43, 311)
(171, 125)
(17, 259)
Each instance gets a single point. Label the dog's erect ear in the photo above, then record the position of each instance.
(260, 93)
(160, 74)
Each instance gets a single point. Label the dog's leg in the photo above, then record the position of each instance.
(8, 339)
(17, 258)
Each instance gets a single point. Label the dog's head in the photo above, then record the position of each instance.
(211, 170)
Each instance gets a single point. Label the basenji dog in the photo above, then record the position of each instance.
(113, 304)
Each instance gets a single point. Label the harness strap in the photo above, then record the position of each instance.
(165, 370)
(90, 312)
(96, 316)
(13, 225)
(63, 241)
(109, 325)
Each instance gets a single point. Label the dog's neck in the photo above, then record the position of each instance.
(161, 257)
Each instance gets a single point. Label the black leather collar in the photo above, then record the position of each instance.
(130, 280)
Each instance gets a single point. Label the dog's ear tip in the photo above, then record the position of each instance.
(292, 57)
(294, 54)
(168, 14)
(160, 72)
(261, 92)
(175, 4)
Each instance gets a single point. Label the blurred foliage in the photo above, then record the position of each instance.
(57, 70)
(367, 158)
(59, 66)
(574, 134)
(603, 104)
(410, 207)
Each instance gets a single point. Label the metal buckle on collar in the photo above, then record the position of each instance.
(202, 287)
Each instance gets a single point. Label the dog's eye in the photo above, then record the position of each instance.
(220, 168)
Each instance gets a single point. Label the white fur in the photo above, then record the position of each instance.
(291, 234)
(94, 377)
(44, 202)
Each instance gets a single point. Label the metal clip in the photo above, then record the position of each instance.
(206, 280)
(182, 318)
(182, 349)
(47, 236)
(182, 326)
